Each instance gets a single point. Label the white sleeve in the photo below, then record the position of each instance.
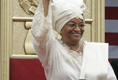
(111, 74)
(42, 33)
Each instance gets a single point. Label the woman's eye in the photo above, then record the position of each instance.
(71, 25)
(81, 25)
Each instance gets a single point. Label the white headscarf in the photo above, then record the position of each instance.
(65, 10)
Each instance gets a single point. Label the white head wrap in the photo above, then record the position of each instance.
(65, 10)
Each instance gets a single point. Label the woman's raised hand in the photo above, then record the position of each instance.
(45, 5)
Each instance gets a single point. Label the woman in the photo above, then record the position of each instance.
(68, 58)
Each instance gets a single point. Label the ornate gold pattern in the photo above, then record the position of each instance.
(29, 6)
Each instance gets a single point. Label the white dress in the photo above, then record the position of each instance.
(61, 63)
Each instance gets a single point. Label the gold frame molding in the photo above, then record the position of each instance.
(98, 32)
(6, 35)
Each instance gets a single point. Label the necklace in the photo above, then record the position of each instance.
(69, 47)
(78, 47)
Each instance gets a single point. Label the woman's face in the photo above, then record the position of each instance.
(73, 30)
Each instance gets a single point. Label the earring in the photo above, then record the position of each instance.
(61, 33)
(57, 35)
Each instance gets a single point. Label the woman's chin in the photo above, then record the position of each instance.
(76, 39)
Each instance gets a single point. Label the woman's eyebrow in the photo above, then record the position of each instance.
(82, 22)
(75, 22)
(72, 22)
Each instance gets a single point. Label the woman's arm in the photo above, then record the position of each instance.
(46, 5)
(42, 30)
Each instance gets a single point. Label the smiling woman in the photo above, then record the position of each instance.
(68, 58)
(72, 33)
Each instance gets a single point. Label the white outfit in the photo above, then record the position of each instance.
(61, 63)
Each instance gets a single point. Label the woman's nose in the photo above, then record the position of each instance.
(77, 28)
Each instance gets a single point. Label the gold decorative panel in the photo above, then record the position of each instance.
(88, 13)
(18, 11)
(19, 36)
(29, 6)
(87, 34)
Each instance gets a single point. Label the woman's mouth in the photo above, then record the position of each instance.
(76, 34)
